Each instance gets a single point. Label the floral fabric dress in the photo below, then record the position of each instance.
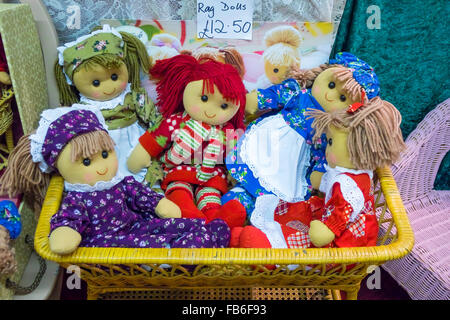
(276, 154)
(121, 213)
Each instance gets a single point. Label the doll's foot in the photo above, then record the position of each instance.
(183, 199)
(252, 237)
(235, 236)
(232, 212)
(167, 209)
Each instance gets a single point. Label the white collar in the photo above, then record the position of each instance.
(109, 104)
(331, 174)
(99, 186)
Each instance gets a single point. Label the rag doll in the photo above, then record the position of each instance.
(101, 207)
(281, 55)
(10, 228)
(277, 155)
(202, 102)
(361, 138)
(102, 70)
(228, 55)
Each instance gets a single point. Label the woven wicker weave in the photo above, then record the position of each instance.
(108, 270)
(425, 273)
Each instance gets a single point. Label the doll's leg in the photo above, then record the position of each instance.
(240, 194)
(181, 193)
(209, 202)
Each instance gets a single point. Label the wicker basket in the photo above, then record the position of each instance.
(128, 272)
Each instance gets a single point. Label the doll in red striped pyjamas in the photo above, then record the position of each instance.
(203, 103)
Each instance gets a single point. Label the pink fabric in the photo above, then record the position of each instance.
(425, 272)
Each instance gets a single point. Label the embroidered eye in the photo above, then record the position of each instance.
(96, 83)
(87, 162)
(114, 77)
(330, 141)
(276, 70)
(224, 106)
(332, 85)
(342, 98)
(105, 154)
(204, 98)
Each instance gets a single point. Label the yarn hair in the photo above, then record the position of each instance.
(24, 176)
(282, 46)
(176, 73)
(375, 139)
(135, 58)
(229, 55)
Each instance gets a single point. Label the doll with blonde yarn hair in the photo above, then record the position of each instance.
(102, 70)
(281, 55)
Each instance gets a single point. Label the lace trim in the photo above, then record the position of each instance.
(47, 117)
(266, 184)
(109, 104)
(349, 189)
(106, 29)
(99, 186)
(263, 218)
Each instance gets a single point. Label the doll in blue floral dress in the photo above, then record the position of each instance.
(276, 154)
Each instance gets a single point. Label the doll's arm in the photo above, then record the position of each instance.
(67, 225)
(151, 144)
(148, 202)
(284, 95)
(334, 220)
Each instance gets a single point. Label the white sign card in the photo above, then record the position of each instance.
(225, 19)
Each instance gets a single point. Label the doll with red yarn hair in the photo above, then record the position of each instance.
(203, 103)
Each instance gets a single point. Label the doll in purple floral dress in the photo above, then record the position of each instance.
(101, 208)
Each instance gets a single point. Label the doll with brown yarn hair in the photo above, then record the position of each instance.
(361, 138)
(102, 70)
(276, 154)
(228, 55)
(100, 207)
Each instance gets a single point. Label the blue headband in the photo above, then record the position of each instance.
(363, 73)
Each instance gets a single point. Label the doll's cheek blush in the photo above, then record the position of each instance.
(88, 177)
(123, 85)
(195, 109)
(96, 95)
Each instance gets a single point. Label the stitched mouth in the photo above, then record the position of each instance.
(110, 93)
(103, 173)
(208, 116)
(326, 97)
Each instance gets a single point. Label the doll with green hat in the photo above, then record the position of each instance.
(102, 70)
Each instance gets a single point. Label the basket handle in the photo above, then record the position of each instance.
(18, 290)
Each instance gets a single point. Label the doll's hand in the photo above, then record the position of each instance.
(316, 178)
(167, 209)
(320, 234)
(251, 106)
(64, 240)
(138, 159)
(5, 78)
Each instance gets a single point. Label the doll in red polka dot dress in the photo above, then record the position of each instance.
(203, 103)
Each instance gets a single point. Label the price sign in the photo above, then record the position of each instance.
(226, 19)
